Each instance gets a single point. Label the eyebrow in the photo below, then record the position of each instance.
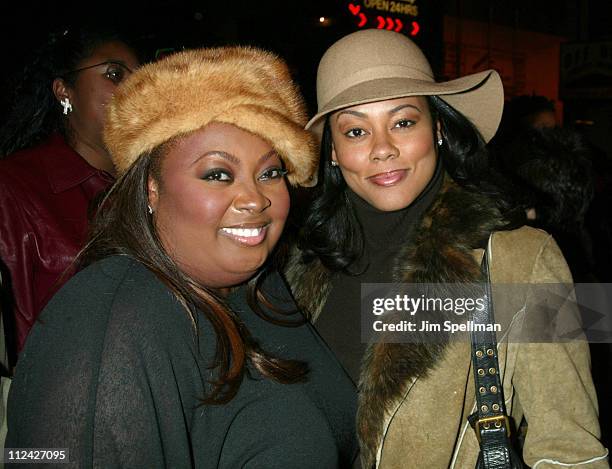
(231, 158)
(118, 62)
(363, 114)
(269, 155)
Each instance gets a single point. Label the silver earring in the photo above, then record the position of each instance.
(150, 209)
(67, 105)
(334, 163)
(440, 142)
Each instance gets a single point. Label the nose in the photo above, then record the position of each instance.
(384, 148)
(251, 198)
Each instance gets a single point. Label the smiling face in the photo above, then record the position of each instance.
(385, 150)
(219, 204)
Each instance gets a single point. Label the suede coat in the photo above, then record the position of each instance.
(416, 415)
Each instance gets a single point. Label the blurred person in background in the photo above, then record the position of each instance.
(526, 112)
(54, 163)
(552, 176)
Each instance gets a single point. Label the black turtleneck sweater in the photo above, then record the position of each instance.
(384, 233)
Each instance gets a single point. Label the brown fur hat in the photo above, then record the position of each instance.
(244, 86)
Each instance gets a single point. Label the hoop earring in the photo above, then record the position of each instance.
(67, 105)
(149, 209)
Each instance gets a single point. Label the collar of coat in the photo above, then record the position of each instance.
(441, 251)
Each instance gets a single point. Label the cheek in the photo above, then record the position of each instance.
(186, 205)
(206, 211)
(418, 149)
(352, 158)
(105, 95)
(99, 102)
(281, 203)
(96, 99)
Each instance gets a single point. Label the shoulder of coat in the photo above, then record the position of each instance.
(525, 238)
(515, 252)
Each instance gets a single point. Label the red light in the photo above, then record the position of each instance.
(356, 11)
(384, 22)
(392, 24)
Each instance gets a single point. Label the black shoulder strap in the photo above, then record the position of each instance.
(490, 420)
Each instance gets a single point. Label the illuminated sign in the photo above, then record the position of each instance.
(394, 15)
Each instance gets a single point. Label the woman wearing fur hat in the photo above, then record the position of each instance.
(401, 198)
(177, 346)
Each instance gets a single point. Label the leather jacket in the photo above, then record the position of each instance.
(45, 192)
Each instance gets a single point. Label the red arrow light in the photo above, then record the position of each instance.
(390, 23)
(362, 20)
(381, 22)
(399, 25)
(415, 28)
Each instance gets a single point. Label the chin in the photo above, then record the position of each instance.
(248, 267)
(387, 205)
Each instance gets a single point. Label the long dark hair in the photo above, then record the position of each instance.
(331, 231)
(122, 226)
(34, 112)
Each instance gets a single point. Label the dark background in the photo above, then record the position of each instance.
(289, 27)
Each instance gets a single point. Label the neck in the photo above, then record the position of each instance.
(390, 229)
(93, 153)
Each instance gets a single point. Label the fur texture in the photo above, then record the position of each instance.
(553, 168)
(551, 171)
(442, 252)
(244, 86)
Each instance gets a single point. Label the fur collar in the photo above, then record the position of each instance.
(441, 252)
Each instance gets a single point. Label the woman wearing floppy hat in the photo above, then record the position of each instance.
(401, 198)
(178, 345)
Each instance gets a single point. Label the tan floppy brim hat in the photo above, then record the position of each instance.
(376, 65)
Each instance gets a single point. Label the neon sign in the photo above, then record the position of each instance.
(383, 14)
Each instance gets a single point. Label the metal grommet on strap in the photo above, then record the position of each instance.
(490, 421)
